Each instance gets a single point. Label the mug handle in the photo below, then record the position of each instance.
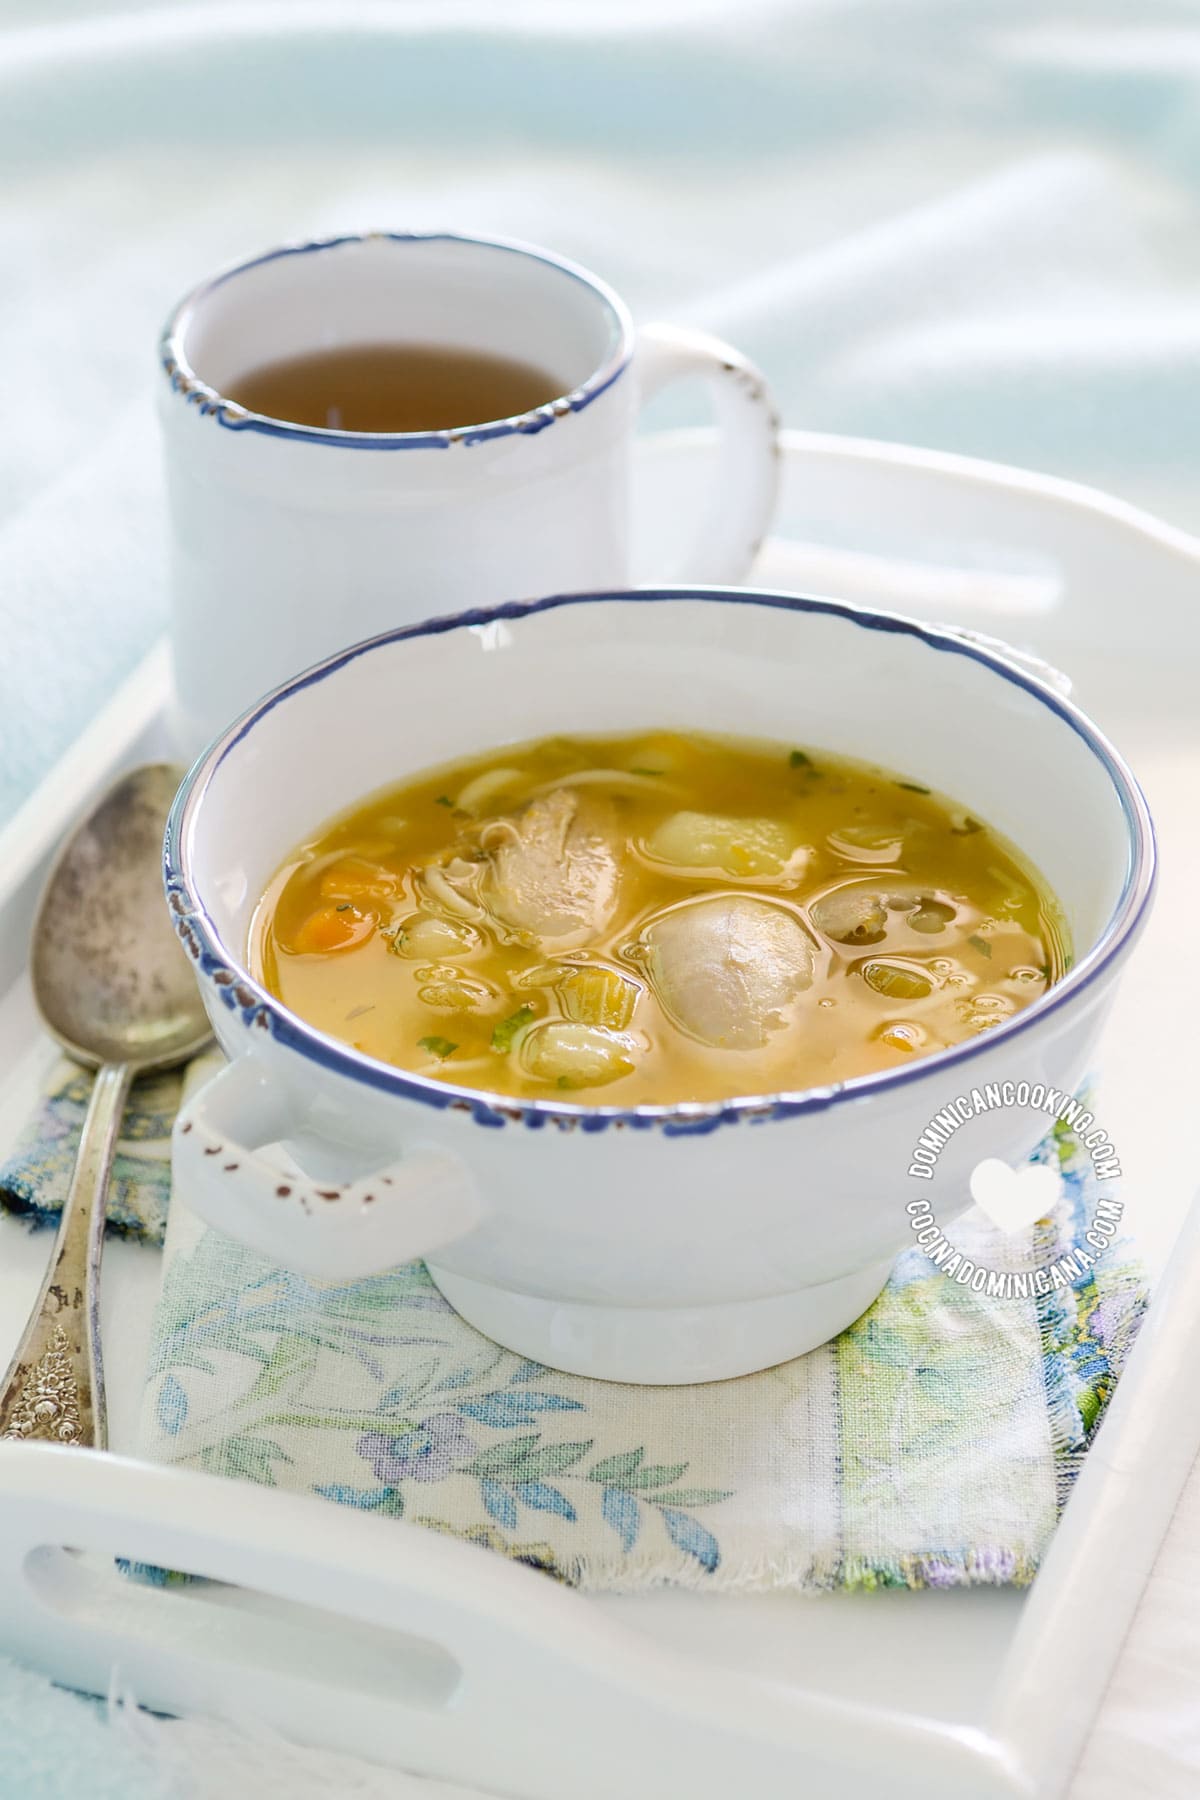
(734, 522)
(332, 1231)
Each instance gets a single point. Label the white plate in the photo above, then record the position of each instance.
(966, 1693)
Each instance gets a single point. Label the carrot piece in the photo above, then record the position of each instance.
(332, 928)
(353, 878)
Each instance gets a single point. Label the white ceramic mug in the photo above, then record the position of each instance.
(653, 1243)
(289, 541)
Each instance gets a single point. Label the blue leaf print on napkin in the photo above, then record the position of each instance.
(172, 1406)
(621, 1511)
(500, 1503)
(688, 1534)
(382, 1499)
(544, 1498)
(504, 1409)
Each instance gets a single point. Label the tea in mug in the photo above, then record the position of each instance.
(394, 387)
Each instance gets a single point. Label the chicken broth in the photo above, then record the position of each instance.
(656, 919)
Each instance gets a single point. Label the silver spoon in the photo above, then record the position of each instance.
(114, 986)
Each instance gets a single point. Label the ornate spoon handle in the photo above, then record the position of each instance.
(54, 1388)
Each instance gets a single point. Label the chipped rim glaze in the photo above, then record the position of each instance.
(195, 391)
(258, 1007)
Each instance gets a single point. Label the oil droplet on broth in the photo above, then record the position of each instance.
(902, 1035)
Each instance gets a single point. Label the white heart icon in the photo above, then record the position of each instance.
(1013, 1198)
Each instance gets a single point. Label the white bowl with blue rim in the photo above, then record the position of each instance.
(654, 1243)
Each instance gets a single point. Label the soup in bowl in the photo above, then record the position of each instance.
(573, 916)
(613, 952)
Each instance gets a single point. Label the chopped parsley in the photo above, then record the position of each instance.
(507, 1029)
(981, 944)
(437, 1046)
(799, 760)
(913, 787)
(966, 826)
(444, 800)
(647, 771)
(346, 906)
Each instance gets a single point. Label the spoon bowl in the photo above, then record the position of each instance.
(110, 978)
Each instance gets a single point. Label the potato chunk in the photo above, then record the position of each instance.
(737, 847)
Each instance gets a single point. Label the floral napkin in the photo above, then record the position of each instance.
(931, 1445)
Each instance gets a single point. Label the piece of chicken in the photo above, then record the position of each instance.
(549, 874)
(725, 969)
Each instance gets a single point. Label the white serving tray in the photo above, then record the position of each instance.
(375, 1637)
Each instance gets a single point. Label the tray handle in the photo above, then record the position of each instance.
(388, 1641)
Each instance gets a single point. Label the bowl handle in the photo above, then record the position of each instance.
(334, 1231)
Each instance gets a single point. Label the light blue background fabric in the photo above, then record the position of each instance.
(53, 1745)
(961, 223)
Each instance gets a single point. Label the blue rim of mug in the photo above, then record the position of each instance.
(685, 1118)
(192, 388)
